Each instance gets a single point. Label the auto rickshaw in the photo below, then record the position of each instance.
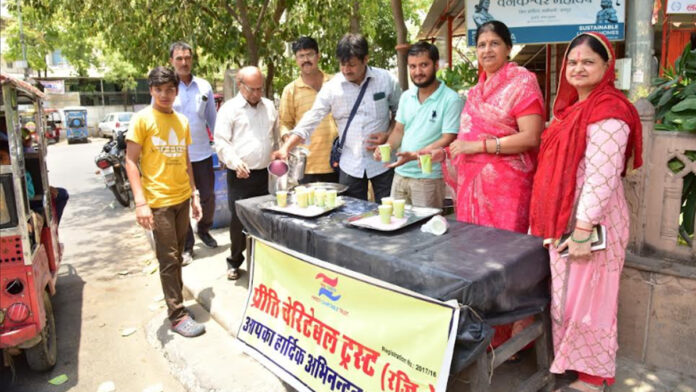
(30, 253)
(76, 124)
(52, 124)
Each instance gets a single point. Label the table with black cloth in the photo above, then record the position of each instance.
(498, 275)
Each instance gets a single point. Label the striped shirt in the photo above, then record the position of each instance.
(296, 100)
(374, 115)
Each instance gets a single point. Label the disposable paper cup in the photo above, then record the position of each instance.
(399, 205)
(330, 198)
(385, 151)
(436, 225)
(319, 195)
(301, 197)
(426, 161)
(387, 201)
(385, 212)
(282, 198)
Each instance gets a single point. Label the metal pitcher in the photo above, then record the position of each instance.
(277, 177)
(282, 180)
(297, 161)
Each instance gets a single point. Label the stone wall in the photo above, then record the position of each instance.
(657, 301)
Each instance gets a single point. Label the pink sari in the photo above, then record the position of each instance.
(495, 190)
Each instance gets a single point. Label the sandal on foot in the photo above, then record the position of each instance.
(514, 358)
(233, 274)
(188, 327)
(569, 388)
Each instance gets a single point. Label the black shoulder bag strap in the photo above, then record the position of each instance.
(352, 114)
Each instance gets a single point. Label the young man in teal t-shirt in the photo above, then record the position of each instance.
(427, 119)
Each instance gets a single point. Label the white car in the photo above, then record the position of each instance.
(114, 122)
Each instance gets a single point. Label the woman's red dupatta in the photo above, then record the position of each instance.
(564, 142)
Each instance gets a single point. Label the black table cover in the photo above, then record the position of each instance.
(498, 275)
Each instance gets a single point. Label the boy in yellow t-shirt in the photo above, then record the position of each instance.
(158, 137)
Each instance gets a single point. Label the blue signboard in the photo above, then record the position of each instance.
(548, 21)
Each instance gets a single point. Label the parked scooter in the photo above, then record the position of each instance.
(112, 162)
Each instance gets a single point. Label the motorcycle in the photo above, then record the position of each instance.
(112, 163)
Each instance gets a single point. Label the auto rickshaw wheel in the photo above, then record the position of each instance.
(42, 357)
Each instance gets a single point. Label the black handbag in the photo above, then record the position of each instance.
(337, 147)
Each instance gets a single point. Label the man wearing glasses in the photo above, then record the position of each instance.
(298, 97)
(370, 122)
(246, 132)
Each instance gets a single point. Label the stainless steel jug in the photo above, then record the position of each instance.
(282, 180)
(297, 161)
(277, 176)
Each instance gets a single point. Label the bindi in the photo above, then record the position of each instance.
(578, 58)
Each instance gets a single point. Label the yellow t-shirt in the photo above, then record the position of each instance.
(164, 138)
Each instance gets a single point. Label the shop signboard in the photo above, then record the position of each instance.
(548, 21)
(53, 86)
(681, 6)
(320, 327)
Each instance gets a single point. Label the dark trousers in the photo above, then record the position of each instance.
(171, 225)
(357, 187)
(238, 189)
(324, 177)
(204, 177)
(61, 200)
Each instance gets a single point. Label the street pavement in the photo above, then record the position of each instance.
(108, 283)
(104, 287)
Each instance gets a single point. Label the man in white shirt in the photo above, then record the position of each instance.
(245, 134)
(195, 100)
(369, 128)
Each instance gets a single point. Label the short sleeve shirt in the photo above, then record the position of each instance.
(164, 138)
(424, 123)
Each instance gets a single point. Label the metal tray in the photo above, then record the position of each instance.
(294, 209)
(370, 219)
(340, 188)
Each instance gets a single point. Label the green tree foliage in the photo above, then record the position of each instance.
(224, 33)
(47, 28)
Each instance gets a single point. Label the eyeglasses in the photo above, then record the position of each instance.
(252, 90)
(306, 56)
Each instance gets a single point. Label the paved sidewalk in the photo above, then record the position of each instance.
(213, 362)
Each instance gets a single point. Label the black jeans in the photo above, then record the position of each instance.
(357, 187)
(238, 189)
(324, 177)
(204, 177)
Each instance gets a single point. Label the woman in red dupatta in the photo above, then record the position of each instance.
(585, 150)
(491, 165)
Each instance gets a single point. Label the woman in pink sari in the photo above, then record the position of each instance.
(491, 164)
(577, 186)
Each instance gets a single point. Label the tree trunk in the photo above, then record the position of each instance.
(270, 74)
(355, 17)
(402, 42)
(248, 32)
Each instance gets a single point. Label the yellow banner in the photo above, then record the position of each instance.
(324, 328)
